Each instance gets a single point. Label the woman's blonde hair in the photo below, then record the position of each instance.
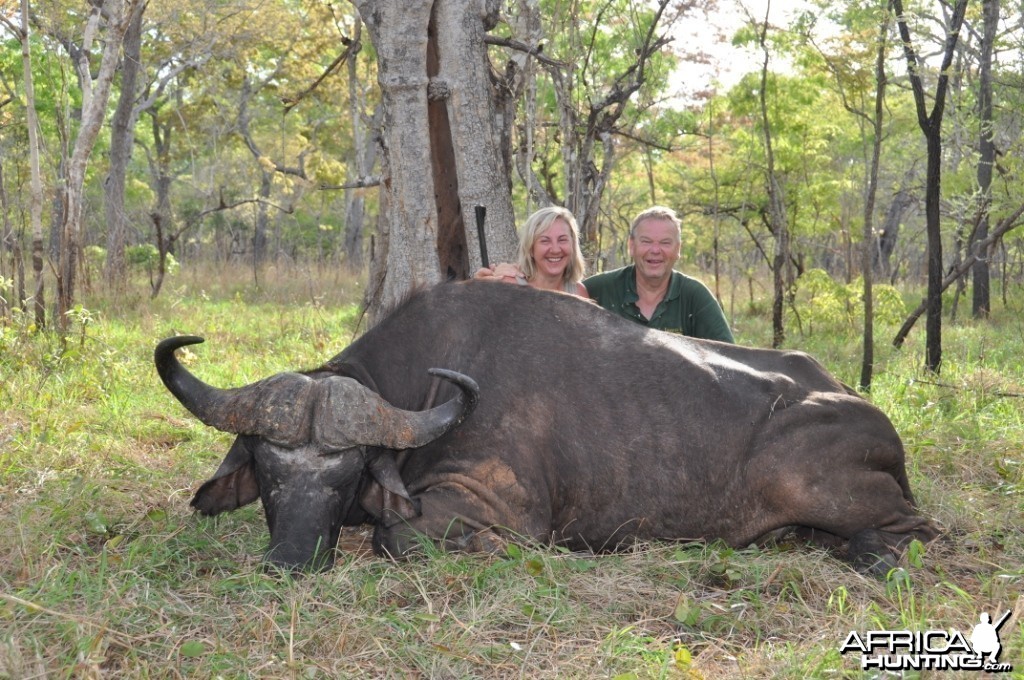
(535, 225)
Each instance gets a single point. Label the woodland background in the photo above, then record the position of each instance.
(875, 138)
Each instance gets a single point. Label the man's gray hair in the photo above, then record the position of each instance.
(659, 212)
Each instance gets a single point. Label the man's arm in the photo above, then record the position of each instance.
(708, 319)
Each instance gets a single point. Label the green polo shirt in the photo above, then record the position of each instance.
(689, 307)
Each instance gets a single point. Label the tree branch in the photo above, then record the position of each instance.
(352, 48)
(1007, 224)
(536, 52)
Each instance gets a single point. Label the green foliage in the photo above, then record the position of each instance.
(825, 303)
(146, 257)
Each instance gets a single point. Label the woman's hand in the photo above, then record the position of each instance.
(504, 271)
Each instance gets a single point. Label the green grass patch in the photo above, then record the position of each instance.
(105, 572)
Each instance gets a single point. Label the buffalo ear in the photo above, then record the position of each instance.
(233, 485)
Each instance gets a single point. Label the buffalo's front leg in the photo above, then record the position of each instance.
(450, 516)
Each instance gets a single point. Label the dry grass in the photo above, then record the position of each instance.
(104, 572)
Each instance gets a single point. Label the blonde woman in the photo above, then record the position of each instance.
(549, 254)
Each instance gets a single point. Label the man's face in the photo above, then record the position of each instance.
(655, 247)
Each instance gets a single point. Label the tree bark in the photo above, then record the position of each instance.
(36, 182)
(426, 201)
(464, 73)
(931, 126)
(980, 303)
(95, 97)
(122, 139)
(776, 208)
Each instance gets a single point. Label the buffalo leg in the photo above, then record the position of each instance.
(870, 552)
(398, 537)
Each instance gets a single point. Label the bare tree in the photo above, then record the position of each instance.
(778, 220)
(116, 15)
(981, 304)
(931, 126)
(36, 182)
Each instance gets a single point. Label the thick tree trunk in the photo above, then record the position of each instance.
(438, 162)
(464, 73)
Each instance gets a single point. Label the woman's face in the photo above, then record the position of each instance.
(552, 249)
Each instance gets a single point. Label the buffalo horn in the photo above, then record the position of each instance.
(282, 408)
(353, 414)
(275, 408)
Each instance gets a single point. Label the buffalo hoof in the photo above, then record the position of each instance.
(870, 554)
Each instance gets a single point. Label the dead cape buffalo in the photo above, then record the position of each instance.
(554, 420)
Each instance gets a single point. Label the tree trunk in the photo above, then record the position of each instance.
(931, 126)
(776, 207)
(364, 156)
(427, 203)
(980, 303)
(94, 102)
(867, 365)
(259, 234)
(886, 242)
(122, 139)
(36, 181)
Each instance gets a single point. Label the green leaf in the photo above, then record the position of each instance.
(686, 613)
(682, 656)
(193, 649)
(96, 522)
(915, 553)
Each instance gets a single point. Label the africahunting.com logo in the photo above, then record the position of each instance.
(904, 650)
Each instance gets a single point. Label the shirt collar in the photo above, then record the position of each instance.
(675, 286)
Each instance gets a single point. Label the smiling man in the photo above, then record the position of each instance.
(650, 291)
